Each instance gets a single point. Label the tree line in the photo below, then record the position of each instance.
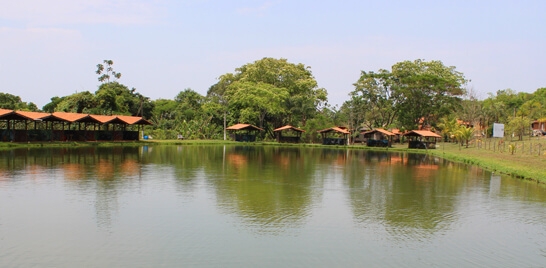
(270, 93)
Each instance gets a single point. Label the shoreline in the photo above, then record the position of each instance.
(517, 165)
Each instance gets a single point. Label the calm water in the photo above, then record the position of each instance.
(237, 206)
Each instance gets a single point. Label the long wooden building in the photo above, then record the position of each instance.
(21, 126)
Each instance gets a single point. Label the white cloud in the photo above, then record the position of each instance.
(54, 12)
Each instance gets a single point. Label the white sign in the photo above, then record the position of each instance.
(498, 130)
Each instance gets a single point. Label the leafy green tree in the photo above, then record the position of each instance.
(511, 99)
(322, 120)
(164, 113)
(412, 94)
(52, 105)
(494, 111)
(80, 102)
(352, 114)
(519, 126)
(255, 101)
(375, 99)
(269, 77)
(428, 91)
(189, 104)
(12, 102)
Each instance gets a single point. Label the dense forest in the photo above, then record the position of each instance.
(270, 93)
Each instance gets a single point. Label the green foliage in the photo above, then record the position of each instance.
(258, 93)
(519, 126)
(106, 73)
(464, 134)
(449, 126)
(413, 93)
(374, 100)
(12, 102)
(253, 102)
(429, 91)
(321, 121)
(76, 103)
(50, 107)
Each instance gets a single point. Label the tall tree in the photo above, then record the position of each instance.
(429, 90)
(189, 104)
(106, 71)
(271, 76)
(257, 101)
(375, 98)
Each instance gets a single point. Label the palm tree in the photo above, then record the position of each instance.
(464, 134)
(448, 126)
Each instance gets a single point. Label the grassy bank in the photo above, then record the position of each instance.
(521, 159)
(527, 160)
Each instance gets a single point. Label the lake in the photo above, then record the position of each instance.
(262, 206)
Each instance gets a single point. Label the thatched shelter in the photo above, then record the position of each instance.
(334, 136)
(422, 139)
(378, 137)
(244, 132)
(293, 137)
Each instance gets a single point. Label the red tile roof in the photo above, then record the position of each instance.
(388, 133)
(6, 114)
(289, 127)
(424, 133)
(33, 115)
(130, 120)
(5, 111)
(69, 117)
(243, 127)
(336, 129)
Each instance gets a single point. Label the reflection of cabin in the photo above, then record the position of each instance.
(293, 137)
(21, 126)
(422, 139)
(244, 132)
(378, 137)
(334, 136)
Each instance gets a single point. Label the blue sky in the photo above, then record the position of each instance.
(161, 47)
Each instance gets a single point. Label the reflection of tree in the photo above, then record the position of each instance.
(410, 193)
(270, 188)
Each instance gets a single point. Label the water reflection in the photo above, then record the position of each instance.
(358, 201)
(272, 188)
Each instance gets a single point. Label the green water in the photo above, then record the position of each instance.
(252, 206)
